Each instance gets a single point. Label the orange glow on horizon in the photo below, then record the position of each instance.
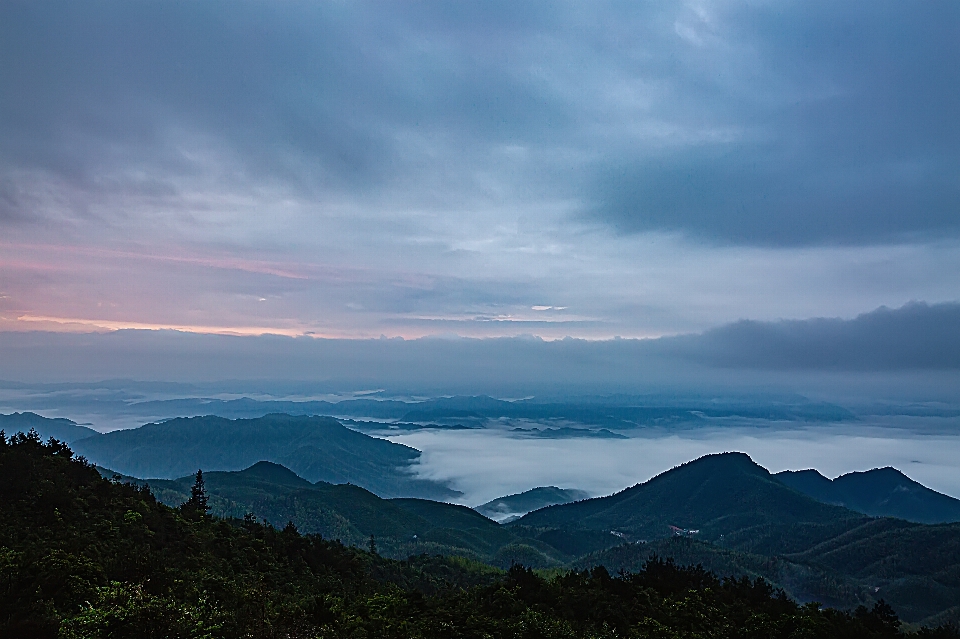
(82, 325)
(113, 325)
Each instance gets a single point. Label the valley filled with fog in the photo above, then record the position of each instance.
(468, 443)
(486, 463)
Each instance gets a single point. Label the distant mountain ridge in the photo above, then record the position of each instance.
(315, 448)
(59, 428)
(510, 507)
(881, 492)
(619, 412)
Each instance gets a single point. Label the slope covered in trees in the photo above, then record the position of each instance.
(718, 495)
(316, 448)
(85, 557)
(760, 528)
(59, 428)
(401, 526)
(881, 492)
(756, 525)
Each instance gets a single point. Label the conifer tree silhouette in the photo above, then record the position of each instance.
(198, 495)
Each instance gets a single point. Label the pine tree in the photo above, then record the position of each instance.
(198, 496)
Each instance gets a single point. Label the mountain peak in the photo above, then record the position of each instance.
(880, 492)
(717, 494)
(315, 448)
(718, 463)
(511, 507)
(274, 473)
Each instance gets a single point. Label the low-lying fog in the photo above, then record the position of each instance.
(488, 463)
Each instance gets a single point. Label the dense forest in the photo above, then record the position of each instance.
(83, 556)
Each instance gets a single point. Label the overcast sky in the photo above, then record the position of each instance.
(351, 169)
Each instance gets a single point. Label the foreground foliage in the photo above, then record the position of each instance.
(81, 557)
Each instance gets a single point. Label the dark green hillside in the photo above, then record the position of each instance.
(84, 557)
(809, 482)
(881, 492)
(914, 565)
(97, 558)
(718, 495)
(462, 530)
(447, 515)
(804, 582)
(63, 429)
(276, 494)
(351, 514)
(316, 448)
(844, 561)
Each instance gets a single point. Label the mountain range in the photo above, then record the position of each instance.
(723, 511)
(322, 449)
(881, 492)
(615, 412)
(316, 448)
(83, 556)
(731, 515)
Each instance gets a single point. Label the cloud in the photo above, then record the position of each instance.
(352, 169)
(915, 351)
(602, 467)
(840, 129)
(153, 101)
(916, 336)
(790, 124)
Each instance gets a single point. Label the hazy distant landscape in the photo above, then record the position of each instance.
(595, 443)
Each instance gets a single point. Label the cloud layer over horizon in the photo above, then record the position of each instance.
(911, 353)
(357, 169)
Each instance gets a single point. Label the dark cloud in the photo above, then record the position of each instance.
(917, 339)
(314, 96)
(794, 123)
(847, 131)
(914, 337)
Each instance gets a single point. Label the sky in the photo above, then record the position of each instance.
(728, 171)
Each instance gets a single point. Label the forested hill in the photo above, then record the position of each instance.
(881, 492)
(84, 557)
(59, 428)
(716, 495)
(754, 524)
(351, 514)
(315, 448)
